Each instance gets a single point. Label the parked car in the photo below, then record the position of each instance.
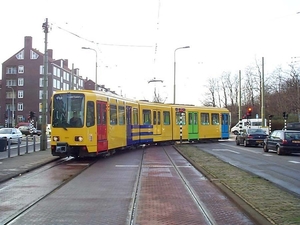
(12, 134)
(253, 137)
(23, 124)
(26, 130)
(283, 142)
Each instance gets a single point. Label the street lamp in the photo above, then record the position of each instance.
(174, 93)
(13, 107)
(96, 86)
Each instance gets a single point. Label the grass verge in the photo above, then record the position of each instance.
(275, 204)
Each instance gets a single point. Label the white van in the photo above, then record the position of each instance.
(254, 123)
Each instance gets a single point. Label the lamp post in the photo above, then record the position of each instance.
(96, 88)
(174, 93)
(13, 107)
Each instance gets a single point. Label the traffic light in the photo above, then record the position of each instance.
(249, 112)
(285, 115)
(31, 115)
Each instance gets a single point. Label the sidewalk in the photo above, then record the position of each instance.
(15, 166)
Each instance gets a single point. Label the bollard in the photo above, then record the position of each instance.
(26, 144)
(19, 142)
(8, 146)
(34, 143)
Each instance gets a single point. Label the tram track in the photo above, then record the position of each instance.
(36, 187)
(194, 196)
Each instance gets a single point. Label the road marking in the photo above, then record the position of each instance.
(267, 154)
(127, 166)
(225, 150)
(294, 161)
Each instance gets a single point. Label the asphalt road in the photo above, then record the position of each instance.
(282, 170)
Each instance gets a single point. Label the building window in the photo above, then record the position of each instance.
(42, 82)
(10, 83)
(42, 69)
(11, 70)
(33, 55)
(20, 119)
(41, 94)
(20, 81)
(20, 106)
(20, 55)
(20, 69)
(20, 94)
(10, 94)
(56, 71)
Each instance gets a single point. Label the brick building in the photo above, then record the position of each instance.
(22, 83)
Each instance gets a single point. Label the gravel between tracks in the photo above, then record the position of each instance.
(275, 204)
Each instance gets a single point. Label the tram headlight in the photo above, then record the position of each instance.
(55, 138)
(79, 138)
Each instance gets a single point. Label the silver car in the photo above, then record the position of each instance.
(12, 134)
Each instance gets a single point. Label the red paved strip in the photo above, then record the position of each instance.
(163, 198)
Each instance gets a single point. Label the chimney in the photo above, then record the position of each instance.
(66, 62)
(28, 42)
(50, 53)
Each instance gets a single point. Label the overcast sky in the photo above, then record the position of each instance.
(136, 39)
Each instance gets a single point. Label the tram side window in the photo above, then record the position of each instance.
(158, 118)
(146, 117)
(135, 120)
(101, 114)
(178, 115)
(204, 118)
(113, 114)
(90, 113)
(104, 114)
(215, 118)
(121, 115)
(166, 115)
(225, 118)
(98, 114)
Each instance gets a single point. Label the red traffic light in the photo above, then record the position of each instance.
(249, 109)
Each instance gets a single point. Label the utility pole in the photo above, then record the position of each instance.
(263, 92)
(43, 142)
(240, 102)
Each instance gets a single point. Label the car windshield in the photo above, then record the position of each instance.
(292, 135)
(256, 131)
(5, 131)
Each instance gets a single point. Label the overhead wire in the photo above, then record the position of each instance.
(97, 43)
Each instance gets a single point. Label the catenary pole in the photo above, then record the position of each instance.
(43, 142)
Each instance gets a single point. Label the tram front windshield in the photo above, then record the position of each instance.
(68, 110)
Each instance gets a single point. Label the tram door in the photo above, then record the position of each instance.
(102, 144)
(156, 122)
(128, 125)
(225, 126)
(193, 126)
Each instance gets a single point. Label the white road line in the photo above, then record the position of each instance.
(294, 161)
(225, 150)
(267, 154)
